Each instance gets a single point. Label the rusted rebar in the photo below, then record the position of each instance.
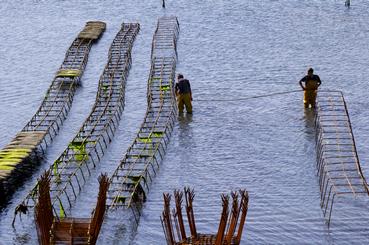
(99, 212)
(244, 203)
(178, 195)
(235, 219)
(132, 178)
(223, 220)
(189, 196)
(167, 219)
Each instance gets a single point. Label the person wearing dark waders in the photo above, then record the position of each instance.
(312, 82)
(184, 94)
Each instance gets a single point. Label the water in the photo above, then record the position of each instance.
(228, 49)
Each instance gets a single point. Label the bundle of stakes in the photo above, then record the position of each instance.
(52, 230)
(229, 220)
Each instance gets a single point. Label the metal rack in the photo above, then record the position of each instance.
(18, 158)
(71, 170)
(338, 163)
(51, 230)
(131, 180)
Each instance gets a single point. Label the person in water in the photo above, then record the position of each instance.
(184, 94)
(312, 82)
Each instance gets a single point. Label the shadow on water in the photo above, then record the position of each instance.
(122, 232)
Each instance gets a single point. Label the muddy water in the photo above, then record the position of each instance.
(228, 49)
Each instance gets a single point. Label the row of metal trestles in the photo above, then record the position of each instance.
(130, 181)
(17, 159)
(338, 164)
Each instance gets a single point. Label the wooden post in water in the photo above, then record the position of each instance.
(43, 210)
(190, 195)
(223, 220)
(167, 222)
(243, 207)
(233, 218)
(99, 212)
(178, 198)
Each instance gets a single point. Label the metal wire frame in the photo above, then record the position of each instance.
(71, 170)
(338, 163)
(59, 97)
(131, 180)
(46, 122)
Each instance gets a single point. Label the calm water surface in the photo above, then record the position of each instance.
(228, 49)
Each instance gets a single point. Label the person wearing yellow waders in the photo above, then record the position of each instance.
(312, 82)
(184, 94)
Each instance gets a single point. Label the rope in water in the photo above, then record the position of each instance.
(252, 97)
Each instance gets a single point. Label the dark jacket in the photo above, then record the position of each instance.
(183, 86)
(311, 83)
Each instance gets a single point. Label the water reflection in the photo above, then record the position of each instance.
(184, 119)
(309, 118)
(185, 129)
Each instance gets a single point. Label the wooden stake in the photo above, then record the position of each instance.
(178, 195)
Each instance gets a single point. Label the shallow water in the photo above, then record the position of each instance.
(228, 49)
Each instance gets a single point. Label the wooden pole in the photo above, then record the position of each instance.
(244, 207)
(189, 194)
(178, 195)
(43, 211)
(223, 220)
(167, 219)
(98, 216)
(233, 218)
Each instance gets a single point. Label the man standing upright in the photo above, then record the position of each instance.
(184, 94)
(312, 82)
